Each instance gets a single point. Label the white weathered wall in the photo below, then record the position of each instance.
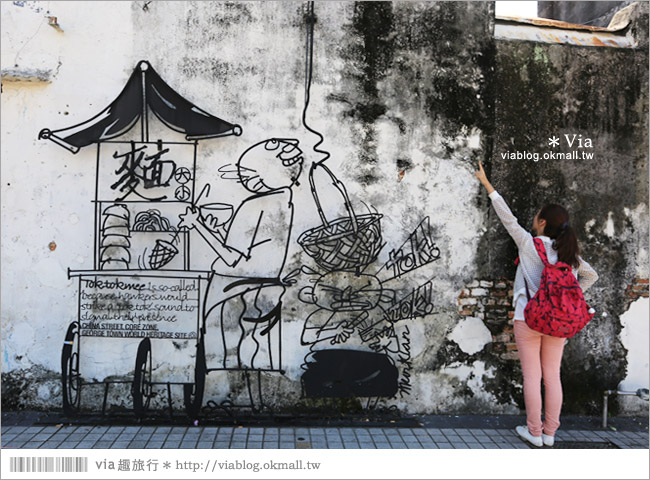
(634, 337)
(243, 62)
(45, 195)
(226, 59)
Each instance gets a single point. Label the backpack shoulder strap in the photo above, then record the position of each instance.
(541, 250)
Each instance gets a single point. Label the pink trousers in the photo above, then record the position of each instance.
(540, 356)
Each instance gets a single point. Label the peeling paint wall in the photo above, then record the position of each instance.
(408, 97)
(634, 336)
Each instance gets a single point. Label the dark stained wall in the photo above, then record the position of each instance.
(596, 94)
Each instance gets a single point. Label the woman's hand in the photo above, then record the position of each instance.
(483, 178)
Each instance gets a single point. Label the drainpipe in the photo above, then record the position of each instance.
(642, 393)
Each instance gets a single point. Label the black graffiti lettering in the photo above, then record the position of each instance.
(93, 332)
(143, 297)
(422, 300)
(112, 284)
(404, 383)
(137, 169)
(111, 326)
(418, 250)
(401, 262)
(182, 286)
(157, 172)
(137, 309)
(422, 243)
(416, 304)
(128, 317)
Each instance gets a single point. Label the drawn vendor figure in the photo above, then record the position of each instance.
(243, 299)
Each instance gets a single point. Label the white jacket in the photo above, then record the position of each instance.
(530, 265)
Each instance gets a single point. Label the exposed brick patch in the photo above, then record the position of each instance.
(491, 301)
(638, 288)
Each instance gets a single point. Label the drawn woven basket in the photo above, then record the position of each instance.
(162, 253)
(347, 243)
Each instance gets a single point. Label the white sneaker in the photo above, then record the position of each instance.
(523, 432)
(548, 440)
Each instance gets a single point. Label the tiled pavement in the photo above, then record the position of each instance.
(288, 437)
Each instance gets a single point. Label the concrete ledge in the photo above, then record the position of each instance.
(31, 76)
(628, 29)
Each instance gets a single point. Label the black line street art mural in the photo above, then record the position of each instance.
(228, 311)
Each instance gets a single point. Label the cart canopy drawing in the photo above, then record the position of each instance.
(145, 92)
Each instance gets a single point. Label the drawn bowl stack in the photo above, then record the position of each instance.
(115, 244)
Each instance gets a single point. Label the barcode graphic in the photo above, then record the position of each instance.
(48, 464)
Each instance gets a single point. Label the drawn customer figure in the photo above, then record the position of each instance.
(350, 338)
(244, 296)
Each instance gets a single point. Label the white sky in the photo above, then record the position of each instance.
(516, 9)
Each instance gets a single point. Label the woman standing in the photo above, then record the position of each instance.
(540, 355)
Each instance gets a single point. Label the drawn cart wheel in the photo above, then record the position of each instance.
(193, 392)
(141, 389)
(70, 378)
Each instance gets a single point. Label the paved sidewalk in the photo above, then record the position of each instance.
(87, 436)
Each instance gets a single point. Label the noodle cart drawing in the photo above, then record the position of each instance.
(145, 301)
(141, 285)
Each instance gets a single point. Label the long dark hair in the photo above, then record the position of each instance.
(557, 227)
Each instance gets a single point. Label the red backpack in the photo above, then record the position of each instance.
(558, 308)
